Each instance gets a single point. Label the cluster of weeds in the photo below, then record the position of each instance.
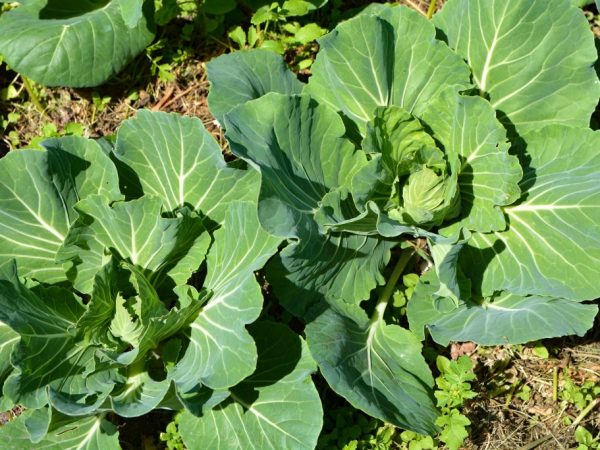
(171, 437)
(273, 27)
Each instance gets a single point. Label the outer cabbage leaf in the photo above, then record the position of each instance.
(177, 160)
(306, 273)
(389, 59)
(38, 190)
(73, 43)
(534, 59)
(170, 248)
(504, 319)
(276, 407)
(47, 353)
(445, 253)
(488, 175)
(8, 339)
(132, 12)
(138, 324)
(378, 368)
(221, 352)
(552, 245)
(90, 358)
(139, 395)
(64, 433)
(300, 149)
(156, 322)
(108, 284)
(246, 75)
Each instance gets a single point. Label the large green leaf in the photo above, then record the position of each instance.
(170, 248)
(302, 154)
(377, 367)
(319, 267)
(139, 395)
(8, 340)
(277, 407)
(47, 353)
(64, 433)
(104, 352)
(177, 160)
(504, 319)
(155, 321)
(300, 149)
(552, 245)
(60, 340)
(73, 42)
(535, 59)
(388, 59)
(221, 352)
(108, 283)
(37, 192)
(245, 75)
(489, 176)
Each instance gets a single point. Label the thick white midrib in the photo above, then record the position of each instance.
(135, 382)
(134, 252)
(380, 309)
(89, 435)
(488, 60)
(369, 347)
(10, 341)
(204, 332)
(264, 418)
(532, 208)
(37, 217)
(502, 308)
(181, 176)
(60, 39)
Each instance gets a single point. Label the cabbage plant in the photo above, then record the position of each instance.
(127, 285)
(458, 148)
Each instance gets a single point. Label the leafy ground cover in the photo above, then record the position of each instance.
(523, 394)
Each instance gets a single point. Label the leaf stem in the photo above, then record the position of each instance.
(136, 368)
(32, 95)
(390, 286)
(588, 409)
(431, 9)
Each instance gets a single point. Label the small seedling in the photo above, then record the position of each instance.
(586, 440)
(579, 395)
(171, 436)
(453, 391)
